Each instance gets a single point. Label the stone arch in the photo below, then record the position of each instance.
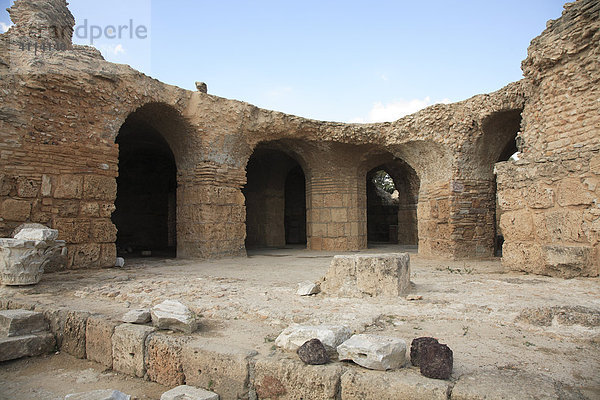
(153, 145)
(275, 196)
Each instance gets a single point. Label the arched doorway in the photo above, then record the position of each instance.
(392, 198)
(275, 193)
(145, 214)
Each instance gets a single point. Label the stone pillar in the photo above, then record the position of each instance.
(336, 202)
(210, 213)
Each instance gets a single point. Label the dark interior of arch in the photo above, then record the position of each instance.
(145, 214)
(275, 194)
(392, 217)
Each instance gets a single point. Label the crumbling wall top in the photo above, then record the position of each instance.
(43, 20)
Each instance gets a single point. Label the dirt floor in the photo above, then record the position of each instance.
(492, 319)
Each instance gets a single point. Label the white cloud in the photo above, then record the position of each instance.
(397, 109)
(111, 50)
(119, 50)
(4, 27)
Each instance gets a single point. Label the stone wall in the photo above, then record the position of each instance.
(61, 113)
(550, 199)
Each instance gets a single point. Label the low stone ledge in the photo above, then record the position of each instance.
(406, 384)
(285, 379)
(163, 358)
(128, 345)
(224, 369)
(12, 348)
(73, 341)
(98, 339)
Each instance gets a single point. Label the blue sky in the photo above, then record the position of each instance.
(349, 60)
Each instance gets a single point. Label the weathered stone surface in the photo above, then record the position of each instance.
(171, 314)
(98, 340)
(22, 262)
(12, 348)
(37, 234)
(405, 384)
(285, 379)
(21, 322)
(415, 348)
(308, 288)
(497, 385)
(163, 359)
(186, 392)
(296, 335)
(128, 345)
(99, 395)
(371, 275)
(313, 352)
(436, 360)
(73, 341)
(223, 368)
(374, 352)
(138, 316)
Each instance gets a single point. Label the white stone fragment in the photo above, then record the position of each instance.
(296, 335)
(99, 395)
(185, 392)
(22, 262)
(120, 262)
(307, 288)
(374, 352)
(41, 234)
(137, 316)
(171, 314)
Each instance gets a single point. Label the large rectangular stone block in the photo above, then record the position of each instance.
(128, 346)
(98, 340)
(371, 275)
(404, 384)
(12, 348)
(73, 341)
(222, 368)
(163, 361)
(286, 379)
(21, 322)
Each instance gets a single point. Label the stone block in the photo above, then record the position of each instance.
(15, 210)
(497, 385)
(572, 192)
(223, 368)
(171, 314)
(40, 234)
(539, 196)
(371, 275)
(73, 341)
(569, 261)
(101, 394)
(405, 384)
(163, 359)
(285, 379)
(27, 187)
(22, 262)
(137, 316)
(296, 335)
(313, 352)
(307, 288)
(186, 392)
(99, 187)
(68, 187)
(374, 352)
(12, 348)
(436, 360)
(98, 340)
(517, 225)
(21, 322)
(128, 346)
(103, 231)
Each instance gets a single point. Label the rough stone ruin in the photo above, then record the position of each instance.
(230, 176)
(99, 162)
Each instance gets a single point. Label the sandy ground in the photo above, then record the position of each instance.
(488, 317)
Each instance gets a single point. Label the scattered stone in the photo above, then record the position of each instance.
(137, 316)
(331, 336)
(435, 360)
(41, 234)
(21, 322)
(308, 288)
(368, 275)
(12, 348)
(171, 314)
(99, 395)
(416, 348)
(414, 297)
(313, 352)
(185, 392)
(201, 87)
(374, 352)
(120, 262)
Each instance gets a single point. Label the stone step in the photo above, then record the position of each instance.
(12, 348)
(21, 322)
